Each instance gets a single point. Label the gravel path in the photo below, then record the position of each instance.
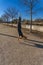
(13, 52)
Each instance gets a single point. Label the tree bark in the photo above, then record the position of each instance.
(31, 19)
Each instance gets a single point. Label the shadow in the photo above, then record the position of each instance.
(38, 45)
(28, 42)
(8, 35)
(33, 45)
(34, 41)
(24, 43)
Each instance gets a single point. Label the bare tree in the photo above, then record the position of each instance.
(11, 13)
(5, 18)
(31, 8)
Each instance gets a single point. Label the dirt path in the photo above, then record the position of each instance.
(12, 52)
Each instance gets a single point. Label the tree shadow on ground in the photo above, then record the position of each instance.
(8, 35)
(30, 42)
(33, 45)
(38, 45)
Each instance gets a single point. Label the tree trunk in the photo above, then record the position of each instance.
(31, 19)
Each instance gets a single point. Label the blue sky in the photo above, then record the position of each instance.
(4, 4)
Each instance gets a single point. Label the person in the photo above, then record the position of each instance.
(19, 30)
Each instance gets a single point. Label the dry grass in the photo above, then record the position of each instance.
(34, 32)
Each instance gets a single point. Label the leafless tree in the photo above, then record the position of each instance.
(5, 18)
(31, 8)
(11, 13)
